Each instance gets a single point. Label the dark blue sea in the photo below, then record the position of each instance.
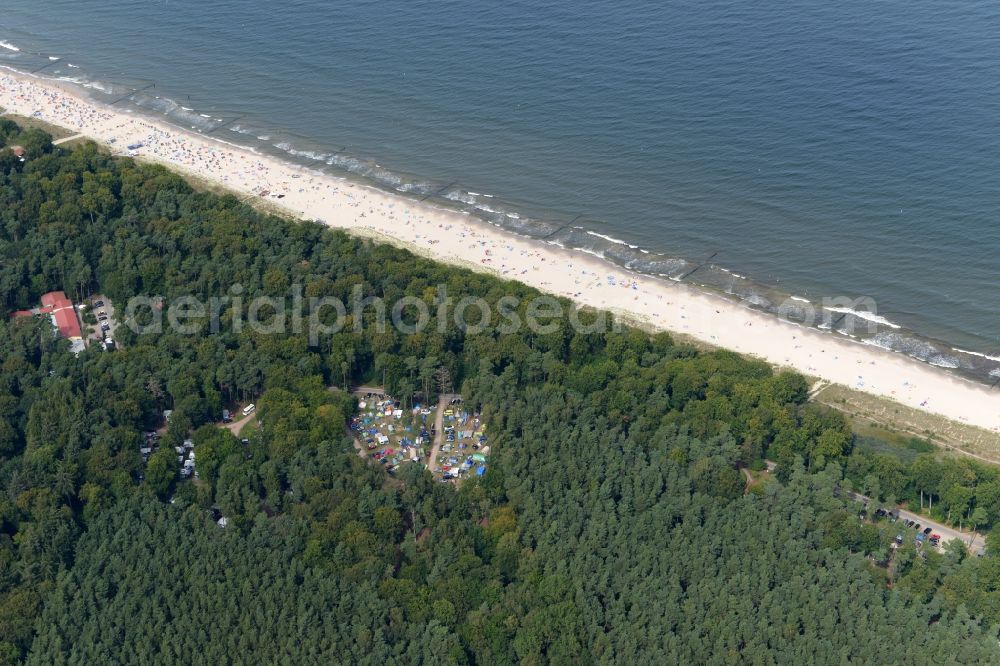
(813, 148)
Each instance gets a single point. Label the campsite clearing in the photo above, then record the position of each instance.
(389, 434)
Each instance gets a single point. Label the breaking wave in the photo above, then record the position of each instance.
(863, 314)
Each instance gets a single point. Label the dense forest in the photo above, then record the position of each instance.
(614, 525)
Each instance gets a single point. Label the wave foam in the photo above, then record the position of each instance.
(97, 85)
(461, 196)
(612, 239)
(757, 299)
(9, 46)
(944, 361)
(922, 350)
(867, 316)
(980, 355)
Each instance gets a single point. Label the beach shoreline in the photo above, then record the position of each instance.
(445, 235)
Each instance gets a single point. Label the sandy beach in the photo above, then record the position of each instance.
(449, 236)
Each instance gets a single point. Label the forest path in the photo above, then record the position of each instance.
(236, 426)
(68, 139)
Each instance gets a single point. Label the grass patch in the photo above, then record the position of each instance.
(896, 424)
(895, 439)
(904, 449)
(249, 428)
(27, 122)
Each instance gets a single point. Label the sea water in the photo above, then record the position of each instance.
(812, 149)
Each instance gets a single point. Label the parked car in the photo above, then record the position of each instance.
(917, 527)
(99, 304)
(927, 531)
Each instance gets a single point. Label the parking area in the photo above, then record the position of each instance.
(912, 528)
(921, 534)
(100, 322)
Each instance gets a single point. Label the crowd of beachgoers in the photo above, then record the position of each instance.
(455, 237)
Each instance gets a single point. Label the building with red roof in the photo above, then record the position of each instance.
(67, 323)
(64, 317)
(63, 314)
(56, 299)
